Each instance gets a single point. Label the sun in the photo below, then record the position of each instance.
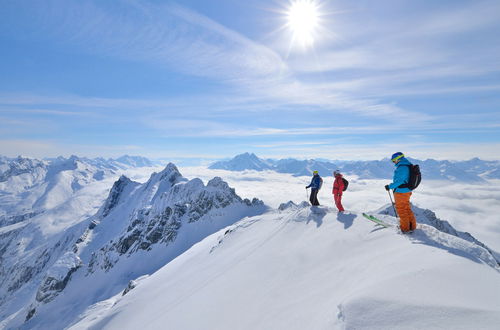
(303, 19)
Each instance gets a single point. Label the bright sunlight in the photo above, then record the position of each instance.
(303, 20)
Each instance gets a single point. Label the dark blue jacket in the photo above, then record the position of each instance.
(316, 182)
(401, 176)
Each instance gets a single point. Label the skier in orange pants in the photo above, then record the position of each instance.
(407, 220)
(402, 194)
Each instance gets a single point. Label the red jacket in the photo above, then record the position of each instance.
(338, 185)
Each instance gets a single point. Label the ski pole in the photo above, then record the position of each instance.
(307, 196)
(395, 213)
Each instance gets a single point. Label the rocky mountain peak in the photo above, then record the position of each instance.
(115, 195)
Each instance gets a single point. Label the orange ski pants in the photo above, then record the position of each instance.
(407, 220)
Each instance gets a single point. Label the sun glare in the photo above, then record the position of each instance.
(303, 20)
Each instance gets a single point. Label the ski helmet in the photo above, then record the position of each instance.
(315, 172)
(397, 156)
(336, 172)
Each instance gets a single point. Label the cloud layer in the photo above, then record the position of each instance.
(470, 208)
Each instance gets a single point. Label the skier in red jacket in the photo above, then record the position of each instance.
(338, 189)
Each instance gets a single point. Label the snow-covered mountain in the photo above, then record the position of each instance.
(29, 187)
(246, 161)
(311, 268)
(473, 171)
(134, 161)
(138, 229)
(485, 169)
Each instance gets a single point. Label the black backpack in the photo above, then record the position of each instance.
(415, 177)
(346, 183)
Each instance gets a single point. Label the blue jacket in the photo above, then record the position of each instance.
(316, 182)
(401, 176)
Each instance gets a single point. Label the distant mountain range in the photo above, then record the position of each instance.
(473, 171)
(30, 186)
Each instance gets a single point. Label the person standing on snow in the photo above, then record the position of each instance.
(402, 193)
(315, 185)
(338, 189)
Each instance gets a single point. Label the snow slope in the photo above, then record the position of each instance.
(304, 268)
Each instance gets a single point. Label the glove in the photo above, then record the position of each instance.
(387, 187)
(307, 187)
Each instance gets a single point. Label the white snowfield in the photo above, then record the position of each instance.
(313, 269)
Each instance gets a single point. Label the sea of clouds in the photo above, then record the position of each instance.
(474, 208)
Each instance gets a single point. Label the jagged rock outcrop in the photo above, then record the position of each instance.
(167, 202)
(115, 194)
(58, 277)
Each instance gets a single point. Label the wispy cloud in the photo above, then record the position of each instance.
(167, 34)
(182, 40)
(47, 112)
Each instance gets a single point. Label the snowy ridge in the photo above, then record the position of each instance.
(473, 171)
(311, 268)
(429, 218)
(138, 229)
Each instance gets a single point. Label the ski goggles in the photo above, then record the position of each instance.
(395, 159)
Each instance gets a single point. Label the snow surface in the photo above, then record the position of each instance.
(307, 268)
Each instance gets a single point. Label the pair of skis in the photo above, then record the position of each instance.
(377, 220)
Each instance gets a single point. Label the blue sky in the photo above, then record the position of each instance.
(211, 79)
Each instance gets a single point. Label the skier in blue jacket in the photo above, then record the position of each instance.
(315, 185)
(402, 194)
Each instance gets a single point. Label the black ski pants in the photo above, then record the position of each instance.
(314, 196)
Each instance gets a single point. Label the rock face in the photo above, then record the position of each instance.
(115, 194)
(57, 277)
(138, 229)
(163, 206)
